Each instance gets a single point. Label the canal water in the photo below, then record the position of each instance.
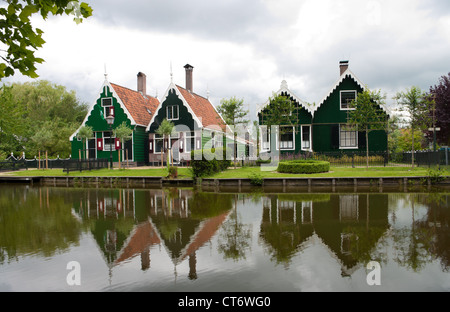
(185, 239)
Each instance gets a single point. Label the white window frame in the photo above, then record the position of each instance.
(171, 107)
(356, 138)
(188, 136)
(166, 143)
(107, 146)
(310, 138)
(340, 99)
(264, 133)
(105, 107)
(279, 139)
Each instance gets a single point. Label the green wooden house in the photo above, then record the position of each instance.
(322, 128)
(135, 108)
(198, 125)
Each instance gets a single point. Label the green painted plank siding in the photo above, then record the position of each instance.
(97, 122)
(330, 111)
(185, 121)
(140, 140)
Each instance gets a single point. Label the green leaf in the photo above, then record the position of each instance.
(27, 11)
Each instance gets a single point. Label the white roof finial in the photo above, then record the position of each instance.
(284, 84)
(171, 73)
(106, 74)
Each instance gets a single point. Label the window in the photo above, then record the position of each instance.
(286, 136)
(348, 137)
(108, 141)
(346, 98)
(158, 143)
(108, 107)
(190, 141)
(306, 137)
(172, 112)
(265, 138)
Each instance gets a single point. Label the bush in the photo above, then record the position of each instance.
(173, 172)
(208, 162)
(303, 166)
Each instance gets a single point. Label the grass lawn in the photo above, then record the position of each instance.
(245, 172)
(334, 172)
(183, 173)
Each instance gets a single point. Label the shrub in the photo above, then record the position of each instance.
(208, 162)
(303, 166)
(173, 172)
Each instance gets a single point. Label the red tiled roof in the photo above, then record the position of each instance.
(203, 109)
(137, 104)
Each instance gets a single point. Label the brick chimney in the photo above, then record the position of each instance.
(343, 65)
(189, 69)
(142, 83)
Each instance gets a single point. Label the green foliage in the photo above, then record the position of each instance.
(435, 175)
(206, 162)
(280, 111)
(303, 166)
(256, 178)
(38, 116)
(417, 105)
(173, 172)
(123, 132)
(22, 40)
(367, 113)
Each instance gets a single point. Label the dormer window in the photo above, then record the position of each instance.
(172, 112)
(346, 98)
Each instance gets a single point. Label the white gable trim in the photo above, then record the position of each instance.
(91, 107)
(284, 88)
(185, 103)
(349, 73)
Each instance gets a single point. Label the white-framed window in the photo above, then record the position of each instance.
(265, 138)
(172, 112)
(345, 99)
(160, 141)
(286, 138)
(108, 141)
(348, 137)
(108, 108)
(189, 138)
(306, 137)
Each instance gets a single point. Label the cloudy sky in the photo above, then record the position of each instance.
(246, 48)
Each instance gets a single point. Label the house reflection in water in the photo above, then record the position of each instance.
(127, 223)
(346, 225)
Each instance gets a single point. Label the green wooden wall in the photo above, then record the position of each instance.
(97, 122)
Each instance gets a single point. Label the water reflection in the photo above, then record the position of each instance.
(410, 229)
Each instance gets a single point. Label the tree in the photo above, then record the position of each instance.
(368, 115)
(11, 129)
(233, 112)
(85, 133)
(441, 95)
(27, 108)
(281, 111)
(21, 39)
(417, 104)
(165, 130)
(123, 133)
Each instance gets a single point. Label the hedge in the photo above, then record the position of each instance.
(209, 161)
(303, 166)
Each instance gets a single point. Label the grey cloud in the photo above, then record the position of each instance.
(220, 20)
